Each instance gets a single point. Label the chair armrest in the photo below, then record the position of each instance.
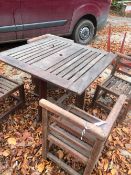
(126, 57)
(72, 118)
(114, 113)
(123, 61)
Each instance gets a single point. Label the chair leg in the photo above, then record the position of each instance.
(45, 142)
(35, 81)
(95, 95)
(124, 111)
(104, 94)
(80, 100)
(98, 147)
(127, 108)
(22, 93)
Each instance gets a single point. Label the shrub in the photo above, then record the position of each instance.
(116, 6)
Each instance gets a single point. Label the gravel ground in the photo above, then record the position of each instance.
(119, 26)
(116, 20)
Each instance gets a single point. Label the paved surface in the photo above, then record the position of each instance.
(120, 24)
(116, 20)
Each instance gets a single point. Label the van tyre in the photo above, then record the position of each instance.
(83, 32)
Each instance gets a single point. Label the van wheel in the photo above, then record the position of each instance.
(83, 32)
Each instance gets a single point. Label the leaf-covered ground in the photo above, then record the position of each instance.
(20, 134)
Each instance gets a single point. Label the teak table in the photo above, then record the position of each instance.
(59, 61)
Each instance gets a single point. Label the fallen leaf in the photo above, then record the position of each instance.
(95, 111)
(106, 164)
(25, 166)
(114, 171)
(35, 173)
(26, 135)
(125, 130)
(60, 154)
(128, 146)
(22, 144)
(8, 172)
(1, 152)
(6, 153)
(129, 172)
(41, 167)
(11, 141)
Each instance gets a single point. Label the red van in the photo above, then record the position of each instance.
(23, 19)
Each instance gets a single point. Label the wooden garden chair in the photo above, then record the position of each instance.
(116, 85)
(8, 88)
(76, 132)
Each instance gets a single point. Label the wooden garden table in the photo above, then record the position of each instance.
(59, 61)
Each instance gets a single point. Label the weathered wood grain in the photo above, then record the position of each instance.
(59, 61)
(65, 132)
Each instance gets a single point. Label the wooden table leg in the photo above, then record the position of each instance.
(42, 94)
(35, 81)
(80, 100)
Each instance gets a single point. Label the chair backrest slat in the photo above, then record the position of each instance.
(122, 65)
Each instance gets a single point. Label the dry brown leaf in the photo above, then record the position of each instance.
(60, 154)
(35, 173)
(95, 111)
(125, 130)
(7, 172)
(41, 167)
(129, 172)
(106, 164)
(114, 171)
(1, 152)
(25, 166)
(26, 135)
(6, 153)
(11, 141)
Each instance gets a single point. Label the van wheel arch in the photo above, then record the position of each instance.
(87, 22)
(89, 17)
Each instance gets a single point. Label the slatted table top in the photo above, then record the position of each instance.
(59, 61)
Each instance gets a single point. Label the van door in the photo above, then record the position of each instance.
(8, 10)
(45, 16)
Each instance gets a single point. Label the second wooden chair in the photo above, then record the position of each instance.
(76, 132)
(116, 84)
